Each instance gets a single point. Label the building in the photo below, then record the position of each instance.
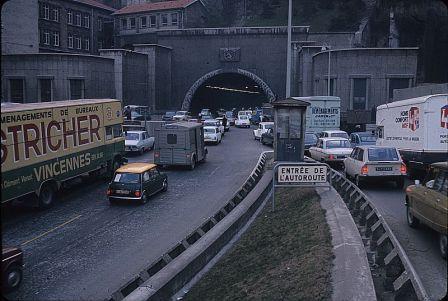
(149, 17)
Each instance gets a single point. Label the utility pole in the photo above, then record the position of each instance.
(288, 52)
(329, 79)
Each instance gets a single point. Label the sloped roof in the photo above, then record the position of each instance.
(145, 7)
(96, 4)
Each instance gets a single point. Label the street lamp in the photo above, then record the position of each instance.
(327, 47)
(288, 52)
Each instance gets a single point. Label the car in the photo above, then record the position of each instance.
(427, 204)
(195, 120)
(263, 127)
(334, 133)
(182, 116)
(221, 112)
(242, 121)
(257, 117)
(268, 137)
(362, 138)
(212, 134)
(331, 150)
(214, 122)
(12, 264)
(227, 126)
(140, 113)
(206, 117)
(205, 112)
(375, 162)
(136, 182)
(138, 141)
(168, 116)
(310, 140)
(230, 117)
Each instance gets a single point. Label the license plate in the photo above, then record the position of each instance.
(119, 191)
(389, 168)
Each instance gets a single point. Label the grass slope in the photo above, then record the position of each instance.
(285, 255)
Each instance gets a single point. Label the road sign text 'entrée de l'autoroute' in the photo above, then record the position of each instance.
(302, 174)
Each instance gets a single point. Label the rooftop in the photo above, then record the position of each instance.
(136, 167)
(96, 4)
(147, 7)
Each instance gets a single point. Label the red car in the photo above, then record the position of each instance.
(12, 262)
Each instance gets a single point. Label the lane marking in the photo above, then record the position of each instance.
(51, 230)
(211, 174)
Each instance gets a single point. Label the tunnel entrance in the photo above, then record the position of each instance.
(227, 90)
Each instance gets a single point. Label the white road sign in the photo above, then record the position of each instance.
(302, 174)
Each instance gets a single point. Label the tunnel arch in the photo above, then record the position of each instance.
(202, 80)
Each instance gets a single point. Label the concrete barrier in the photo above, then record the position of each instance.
(398, 279)
(171, 271)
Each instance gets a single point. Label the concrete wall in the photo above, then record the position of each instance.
(378, 65)
(19, 32)
(422, 90)
(163, 79)
(97, 72)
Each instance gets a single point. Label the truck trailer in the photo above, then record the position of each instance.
(45, 144)
(418, 127)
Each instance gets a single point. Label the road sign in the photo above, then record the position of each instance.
(299, 174)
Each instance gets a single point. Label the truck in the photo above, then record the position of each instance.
(418, 128)
(323, 114)
(43, 145)
(180, 143)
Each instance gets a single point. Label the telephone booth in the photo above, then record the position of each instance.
(289, 129)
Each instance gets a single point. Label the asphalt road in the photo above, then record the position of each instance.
(421, 245)
(85, 249)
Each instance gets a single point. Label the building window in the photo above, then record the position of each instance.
(78, 42)
(332, 87)
(359, 92)
(397, 83)
(70, 41)
(124, 23)
(45, 90)
(78, 19)
(70, 17)
(55, 14)
(16, 90)
(152, 21)
(76, 88)
(143, 22)
(100, 24)
(46, 12)
(174, 20)
(164, 19)
(86, 44)
(46, 38)
(132, 22)
(86, 22)
(55, 38)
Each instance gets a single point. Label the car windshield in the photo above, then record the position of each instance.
(268, 126)
(127, 178)
(368, 138)
(209, 131)
(342, 135)
(383, 154)
(310, 138)
(170, 114)
(338, 144)
(229, 114)
(131, 136)
(181, 113)
(243, 117)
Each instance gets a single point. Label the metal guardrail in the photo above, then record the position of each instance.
(395, 276)
(194, 236)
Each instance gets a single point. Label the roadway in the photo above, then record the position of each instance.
(85, 249)
(421, 245)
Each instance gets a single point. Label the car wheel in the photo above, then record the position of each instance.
(144, 199)
(13, 278)
(262, 141)
(165, 185)
(46, 196)
(193, 163)
(400, 183)
(413, 222)
(358, 181)
(141, 151)
(443, 244)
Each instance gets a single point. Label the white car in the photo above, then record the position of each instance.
(214, 122)
(242, 121)
(370, 162)
(335, 133)
(138, 141)
(182, 116)
(212, 134)
(331, 150)
(263, 127)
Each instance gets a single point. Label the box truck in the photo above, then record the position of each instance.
(45, 144)
(418, 127)
(323, 114)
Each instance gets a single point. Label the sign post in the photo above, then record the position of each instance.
(299, 174)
